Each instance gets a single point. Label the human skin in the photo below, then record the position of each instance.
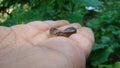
(31, 46)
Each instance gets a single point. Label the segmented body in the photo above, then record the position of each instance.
(67, 32)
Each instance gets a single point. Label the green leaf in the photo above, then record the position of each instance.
(105, 39)
(94, 24)
(94, 3)
(73, 17)
(98, 46)
(105, 66)
(117, 65)
(100, 56)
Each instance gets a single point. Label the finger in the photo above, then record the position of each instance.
(57, 23)
(24, 31)
(37, 39)
(84, 42)
(45, 25)
(39, 25)
(86, 32)
(75, 25)
(40, 37)
(4, 32)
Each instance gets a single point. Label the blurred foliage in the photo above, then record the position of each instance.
(103, 19)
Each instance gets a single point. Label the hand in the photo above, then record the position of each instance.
(31, 46)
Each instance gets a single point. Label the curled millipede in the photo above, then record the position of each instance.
(66, 32)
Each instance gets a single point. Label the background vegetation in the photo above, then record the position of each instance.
(103, 16)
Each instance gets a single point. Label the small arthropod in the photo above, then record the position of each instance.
(66, 32)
